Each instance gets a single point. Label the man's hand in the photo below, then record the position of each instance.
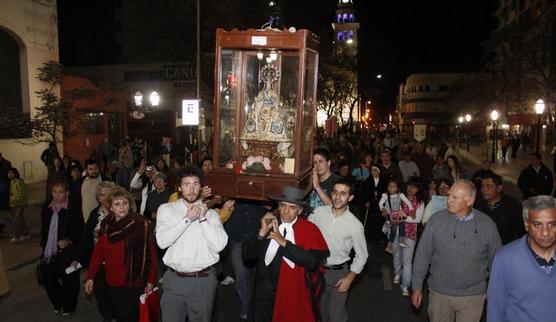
(229, 205)
(149, 288)
(416, 298)
(206, 192)
(384, 213)
(266, 224)
(278, 238)
(195, 211)
(316, 180)
(276, 235)
(344, 283)
(63, 243)
(89, 287)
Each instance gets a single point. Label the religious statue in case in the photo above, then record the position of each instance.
(264, 117)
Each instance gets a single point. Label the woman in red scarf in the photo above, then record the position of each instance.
(126, 245)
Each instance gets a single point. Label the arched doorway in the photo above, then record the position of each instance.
(10, 80)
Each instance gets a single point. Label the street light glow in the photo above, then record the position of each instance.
(379, 76)
(154, 98)
(349, 41)
(460, 119)
(539, 106)
(468, 118)
(494, 115)
(138, 98)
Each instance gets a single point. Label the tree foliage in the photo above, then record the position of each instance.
(523, 63)
(337, 91)
(51, 119)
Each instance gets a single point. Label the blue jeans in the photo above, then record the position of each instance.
(244, 277)
(403, 258)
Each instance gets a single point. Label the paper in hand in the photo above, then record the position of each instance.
(72, 269)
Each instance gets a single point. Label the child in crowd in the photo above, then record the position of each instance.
(391, 206)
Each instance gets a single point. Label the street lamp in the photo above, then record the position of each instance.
(468, 121)
(154, 98)
(494, 117)
(458, 128)
(539, 109)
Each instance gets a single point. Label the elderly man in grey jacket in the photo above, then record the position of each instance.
(456, 251)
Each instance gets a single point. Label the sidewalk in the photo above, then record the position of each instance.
(18, 255)
(510, 168)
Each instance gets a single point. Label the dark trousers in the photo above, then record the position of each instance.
(394, 229)
(102, 295)
(261, 310)
(125, 303)
(62, 289)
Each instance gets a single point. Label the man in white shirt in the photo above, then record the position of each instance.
(88, 188)
(342, 232)
(408, 168)
(193, 236)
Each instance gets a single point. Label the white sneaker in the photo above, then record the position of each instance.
(228, 280)
(405, 291)
(25, 237)
(14, 240)
(396, 279)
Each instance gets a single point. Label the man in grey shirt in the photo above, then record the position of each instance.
(456, 249)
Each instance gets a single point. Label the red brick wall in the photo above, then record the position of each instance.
(78, 145)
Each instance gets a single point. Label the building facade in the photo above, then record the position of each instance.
(28, 39)
(423, 103)
(523, 48)
(173, 82)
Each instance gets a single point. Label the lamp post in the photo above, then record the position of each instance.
(142, 108)
(468, 121)
(539, 109)
(458, 138)
(494, 117)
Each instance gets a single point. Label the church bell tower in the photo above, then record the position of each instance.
(345, 28)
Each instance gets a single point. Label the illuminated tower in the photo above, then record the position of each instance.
(345, 28)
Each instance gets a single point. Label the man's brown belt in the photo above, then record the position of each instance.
(202, 273)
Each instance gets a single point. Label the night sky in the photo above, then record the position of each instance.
(397, 37)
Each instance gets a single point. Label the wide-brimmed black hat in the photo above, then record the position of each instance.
(291, 195)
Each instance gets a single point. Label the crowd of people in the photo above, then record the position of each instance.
(136, 221)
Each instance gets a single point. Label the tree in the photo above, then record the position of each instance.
(51, 119)
(523, 63)
(337, 90)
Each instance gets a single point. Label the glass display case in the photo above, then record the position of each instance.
(265, 103)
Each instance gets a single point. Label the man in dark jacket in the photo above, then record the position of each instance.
(505, 211)
(535, 179)
(290, 252)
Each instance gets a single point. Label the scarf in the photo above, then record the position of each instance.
(51, 247)
(133, 229)
(286, 229)
(101, 215)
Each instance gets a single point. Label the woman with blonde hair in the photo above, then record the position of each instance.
(126, 246)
